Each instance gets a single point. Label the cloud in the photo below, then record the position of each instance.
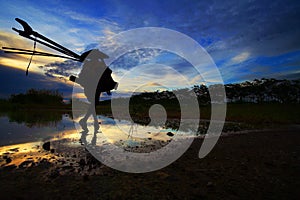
(145, 78)
(92, 29)
(21, 61)
(241, 57)
(90, 20)
(134, 58)
(154, 84)
(14, 81)
(14, 40)
(61, 69)
(262, 66)
(249, 27)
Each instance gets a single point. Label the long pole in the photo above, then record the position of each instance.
(47, 42)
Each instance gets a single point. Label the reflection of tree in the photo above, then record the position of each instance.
(141, 103)
(36, 118)
(34, 108)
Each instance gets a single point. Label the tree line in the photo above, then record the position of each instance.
(33, 96)
(256, 91)
(264, 90)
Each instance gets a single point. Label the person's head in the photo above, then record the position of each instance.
(93, 54)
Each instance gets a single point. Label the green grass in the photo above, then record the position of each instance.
(243, 113)
(264, 113)
(269, 113)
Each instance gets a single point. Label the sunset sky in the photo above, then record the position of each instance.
(246, 39)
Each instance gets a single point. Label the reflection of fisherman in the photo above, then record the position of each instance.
(95, 77)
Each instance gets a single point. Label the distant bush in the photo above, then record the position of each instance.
(42, 97)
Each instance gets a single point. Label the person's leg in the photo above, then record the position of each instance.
(83, 121)
(96, 123)
(89, 112)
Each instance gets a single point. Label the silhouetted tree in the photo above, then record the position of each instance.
(33, 96)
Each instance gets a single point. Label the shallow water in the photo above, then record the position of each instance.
(22, 140)
(21, 131)
(24, 136)
(16, 132)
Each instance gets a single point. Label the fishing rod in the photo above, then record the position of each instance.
(36, 53)
(29, 33)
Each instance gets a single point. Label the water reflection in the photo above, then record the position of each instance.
(30, 126)
(23, 135)
(23, 127)
(65, 152)
(129, 136)
(36, 118)
(23, 155)
(42, 125)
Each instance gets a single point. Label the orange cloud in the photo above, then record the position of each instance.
(78, 95)
(21, 61)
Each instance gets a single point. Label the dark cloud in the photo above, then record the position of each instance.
(134, 58)
(264, 28)
(260, 26)
(65, 68)
(49, 75)
(290, 76)
(14, 81)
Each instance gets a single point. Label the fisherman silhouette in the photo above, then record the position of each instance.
(95, 78)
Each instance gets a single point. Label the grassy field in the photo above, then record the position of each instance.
(264, 113)
(268, 113)
(247, 113)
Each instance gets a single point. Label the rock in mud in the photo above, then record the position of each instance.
(210, 184)
(27, 163)
(8, 160)
(170, 134)
(82, 162)
(46, 146)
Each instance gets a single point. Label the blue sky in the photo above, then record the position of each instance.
(246, 39)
